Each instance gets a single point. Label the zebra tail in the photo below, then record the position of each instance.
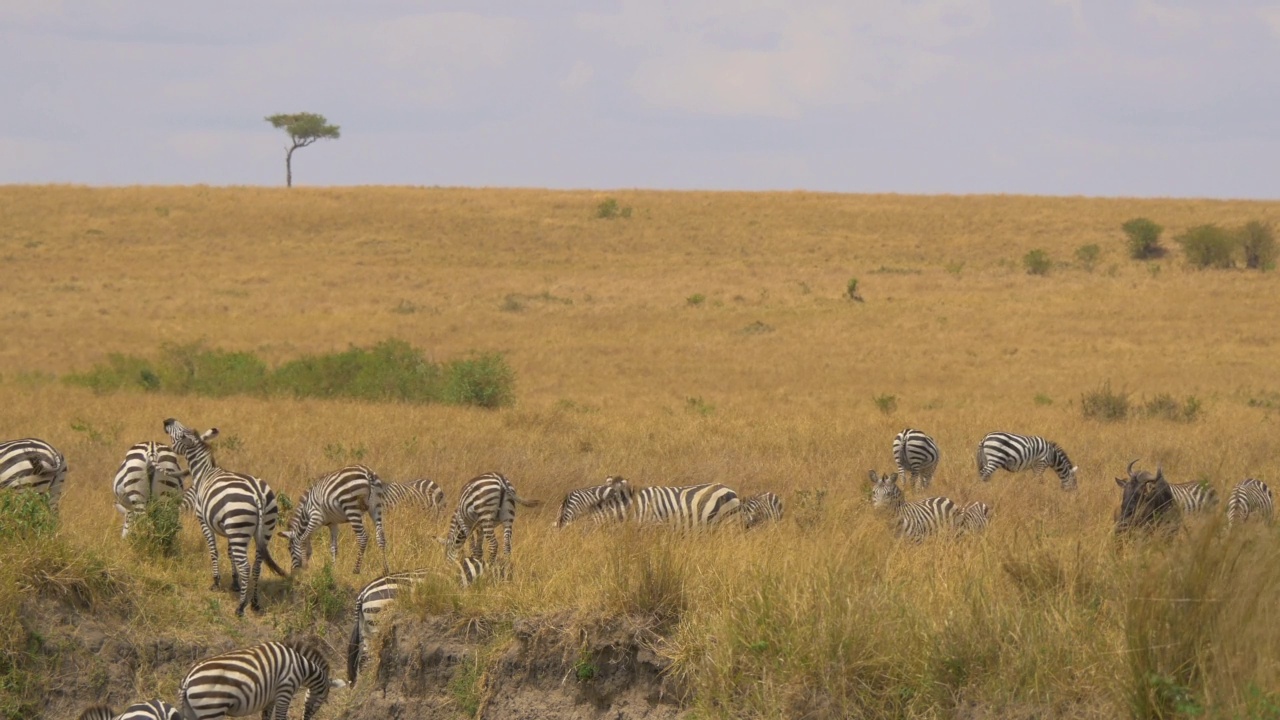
(902, 456)
(353, 650)
(265, 551)
(527, 503)
(982, 458)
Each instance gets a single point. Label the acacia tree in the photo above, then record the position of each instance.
(303, 129)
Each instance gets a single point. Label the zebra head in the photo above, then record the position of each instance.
(884, 490)
(1147, 499)
(192, 444)
(299, 539)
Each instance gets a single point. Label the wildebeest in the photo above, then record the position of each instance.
(1147, 502)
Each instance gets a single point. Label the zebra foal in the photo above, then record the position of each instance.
(974, 517)
(761, 508)
(916, 456)
(914, 520)
(1015, 453)
(262, 678)
(422, 493)
(150, 471)
(32, 464)
(341, 497)
(1249, 497)
(149, 710)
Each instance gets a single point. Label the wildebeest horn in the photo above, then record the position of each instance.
(1129, 470)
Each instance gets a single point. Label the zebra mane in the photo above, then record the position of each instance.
(309, 648)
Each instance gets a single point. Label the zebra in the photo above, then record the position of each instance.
(485, 502)
(1014, 453)
(917, 519)
(240, 507)
(341, 497)
(1249, 496)
(150, 470)
(974, 517)
(32, 464)
(262, 678)
(916, 455)
(601, 503)
(765, 507)
(149, 710)
(1195, 496)
(424, 493)
(688, 507)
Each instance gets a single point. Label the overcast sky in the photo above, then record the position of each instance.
(1093, 97)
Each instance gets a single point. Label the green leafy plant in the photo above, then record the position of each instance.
(696, 299)
(155, 531)
(26, 514)
(1258, 241)
(1105, 404)
(886, 404)
(1037, 262)
(1087, 256)
(1144, 238)
(1208, 246)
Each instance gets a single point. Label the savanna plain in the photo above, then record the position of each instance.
(689, 337)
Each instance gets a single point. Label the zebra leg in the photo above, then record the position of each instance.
(213, 552)
(491, 539)
(333, 545)
(505, 565)
(251, 592)
(283, 700)
(362, 537)
(121, 509)
(238, 549)
(381, 537)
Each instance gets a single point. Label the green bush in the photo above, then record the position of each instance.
(1144, 238)
(851, 290)
(26, 514)
(1087, 256)
(1037, 262)
(1258, 241)
(486, 381)
(155, 530)
(1208, 246)
(887, 404)
(609, 209)
(1164, 406)
(1103, 404)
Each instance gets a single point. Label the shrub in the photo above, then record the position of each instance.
(155, 530)
(886, 403)
(1144, 238)
(26, 514)
(1208, 246)
(1258, 241)
(487, 381)
(1087, 256)
(193, 368)
(851, 290)
(1165, 406)
(1103, 404)
(609, 209)
(1037, 262)
(696, 299)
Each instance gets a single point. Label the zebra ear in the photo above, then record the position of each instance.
(872, 474)
(209, 434)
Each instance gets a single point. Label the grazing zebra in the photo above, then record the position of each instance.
(340, 497)
(916, 456)
(31, 464)
(1147, 502)
(765, 507)
(974, 517)
(1014, 453)
(688, 507)
(601, 503)
(149, 710)
(485, 502)
(1194, 497)
(1250, 496)
(240, 507)
(423, 493)
(150, 470)
(262, 678)
(917, 519)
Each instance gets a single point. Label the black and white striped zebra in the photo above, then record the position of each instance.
(32, 464)
(149, 710)
(239, 507)
(1194, 497)
(262, 678)
(341, 497)
(688, 507)
(974, 517)
(150, 470)
(761, 508)
(1250, 497)
(916, 455)
(484, 503)
(420, 493)
(915, 520)
(1015, 453)
(601, 503)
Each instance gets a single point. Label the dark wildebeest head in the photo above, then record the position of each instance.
(1147, 501)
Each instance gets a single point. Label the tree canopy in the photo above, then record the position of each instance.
(303, 129)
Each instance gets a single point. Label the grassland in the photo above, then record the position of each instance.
(769, 381)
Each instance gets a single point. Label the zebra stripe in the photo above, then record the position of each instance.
(422, 493)
(974, 517)
(601, 503)
(916, 455)
(1015, 453)
(342, 497)
(765, 507)
(97, 712)
(149, 710)
(32, 464)
(1249, 497)
(687, 507)
(239, 507)
(262, 678)
(1194, 497)
(485, 502)
(150, 470)
(915, 520)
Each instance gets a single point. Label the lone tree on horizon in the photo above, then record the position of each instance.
(303, 129)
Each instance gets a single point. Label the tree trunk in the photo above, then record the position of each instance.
(288, 167)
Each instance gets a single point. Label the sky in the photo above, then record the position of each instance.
(1149, 98)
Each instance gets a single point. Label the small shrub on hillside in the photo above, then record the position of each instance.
(197, 369)
(609, 209)
(156, 529)
(1258, 241)
(1208, 246)
(1103, 404)
(1037, 262)
(851, 290)
(696, 299)
(26, 514)
(699, 406)
(1164, 406)
(486, 381)
(1144, 238)
(120, 373)
(886, 404)
(1087, 256)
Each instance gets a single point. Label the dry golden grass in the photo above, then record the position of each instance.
(767, 384)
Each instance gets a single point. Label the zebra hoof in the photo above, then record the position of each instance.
(240, 611)
(215, 586)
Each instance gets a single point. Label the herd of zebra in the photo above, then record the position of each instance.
(245, 510)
